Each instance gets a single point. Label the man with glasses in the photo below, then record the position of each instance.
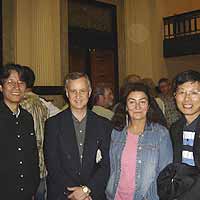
(77, 147)
(19, 169)
(185, 132)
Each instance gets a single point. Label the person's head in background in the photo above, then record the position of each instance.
(149, 82)
(131, 78)
(12, 85)
(186, 87)
(29, 77)
(164, 86)
(103, 95)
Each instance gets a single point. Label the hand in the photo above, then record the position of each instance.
(77, 194)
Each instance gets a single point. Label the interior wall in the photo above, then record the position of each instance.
(143, 39)
(176, 7)
(37, 44)
(8, 31)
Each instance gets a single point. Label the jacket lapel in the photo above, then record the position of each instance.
(68, 140)
(91, 142)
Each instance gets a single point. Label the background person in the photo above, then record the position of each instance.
(102, 100)
(171, 112)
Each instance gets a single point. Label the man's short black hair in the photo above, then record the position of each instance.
(6, 70)
(28, 76)
(186, 76)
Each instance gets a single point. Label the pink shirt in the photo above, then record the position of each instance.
(126, 186)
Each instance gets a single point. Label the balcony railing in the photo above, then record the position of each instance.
(182, 34)
(182, 25)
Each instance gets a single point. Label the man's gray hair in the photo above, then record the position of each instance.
(77, 75)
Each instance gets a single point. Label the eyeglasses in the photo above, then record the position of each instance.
(12, 83)
(192, 94)
(140, 103)
(78, 92)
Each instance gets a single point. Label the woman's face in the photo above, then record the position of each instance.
(137, 105)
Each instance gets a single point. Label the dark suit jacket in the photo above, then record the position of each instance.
(63, 160)
(176, 132)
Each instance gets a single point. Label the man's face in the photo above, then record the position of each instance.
(78, 93)
(13, 89)
(188, 99)
(108, 97)
(164, 87)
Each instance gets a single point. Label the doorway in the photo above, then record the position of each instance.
(93, 42)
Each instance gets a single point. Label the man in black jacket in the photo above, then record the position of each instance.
(19, 169)
(181, 179)
(77, 147)
(185, 133)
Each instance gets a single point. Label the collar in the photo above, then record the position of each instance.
(16, 113)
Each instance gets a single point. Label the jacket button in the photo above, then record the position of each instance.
(21, 189)
(22, 176)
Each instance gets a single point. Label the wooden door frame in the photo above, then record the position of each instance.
(112, 37)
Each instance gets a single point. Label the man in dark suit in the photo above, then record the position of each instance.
(77, 147)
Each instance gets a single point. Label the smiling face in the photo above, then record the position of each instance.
(78, 93)
(137, 105)
(188, 99)
(13, 90)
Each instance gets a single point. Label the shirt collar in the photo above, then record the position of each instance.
(17, 113)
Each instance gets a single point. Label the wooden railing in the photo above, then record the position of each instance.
(182, 25)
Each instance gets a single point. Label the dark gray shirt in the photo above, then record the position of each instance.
(80, 127)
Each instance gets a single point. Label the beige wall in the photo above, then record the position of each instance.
(173, 7)
(8, 31)
(144, 39)
(38, 39)
(34, 29)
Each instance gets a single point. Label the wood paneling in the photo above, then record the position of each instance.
(102, 67)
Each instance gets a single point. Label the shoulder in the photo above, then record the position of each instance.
(25, 113)
(100, 119)
(100, 122)
(118, 135)
(61, 115)
(158, 129)
(177, 125)
(104, 112)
